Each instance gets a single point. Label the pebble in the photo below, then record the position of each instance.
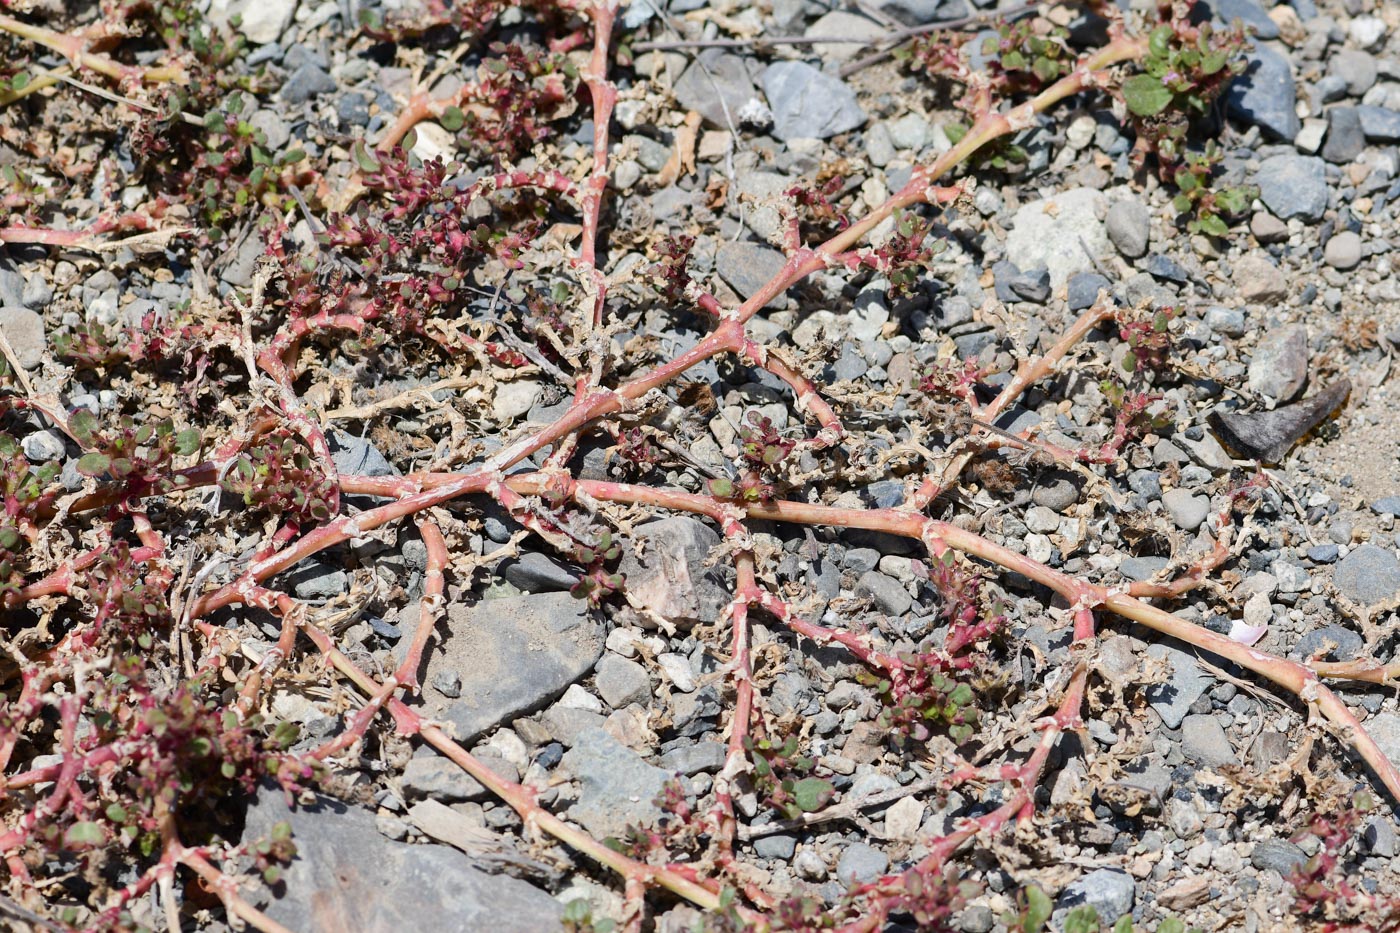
(1264, 95)
(1187, 510)
(1279, 367)
(1109, 891)
(1084, 288)
(746, 267)
(1259, 280)
(808, 103)
(43, 446)
(844, 25)
(1186, 684)
(861, 863)
(1128, 225)
(1267, 228)
(1345, 138)
(1356, 67)
(888, 595)
(1204, 739)
(1046, 234)
(1379, 124)
(1370, 574)
(1293, 185)
(1280, 855)
(716, 85)
(1343, 251)
(24, 329)
(308, 81)
(622, 682)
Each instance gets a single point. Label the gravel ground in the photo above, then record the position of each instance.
(1191, 786)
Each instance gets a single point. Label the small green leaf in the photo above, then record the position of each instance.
(82, 835)
(94, 464)
(1212, 225)
(1039, 907)
(1082, 919)
(365, 159)
(812, 794)
(187, 441)
(1145, 95)
(452, 119)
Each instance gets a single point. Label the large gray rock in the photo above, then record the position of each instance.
(1293, 186)
(808, 103)
(25, 331)
(665, 571)
(1049, 237)
(1279, 367)
(348, 876)
(1370, 575)
(1184, 686)
(1203, 739)
(1109, 891)
(717, 86)
(1264, 95)
(617, 788)
(747, 267)
(514, 656)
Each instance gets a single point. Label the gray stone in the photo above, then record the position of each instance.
(616, 786)
(1379, 836)
(433, 777)
(1345, 140)
(1332, 643)
(694, 758)
(306, 82)
(1343, 251)
(514, 656)
(1384, 728)
(1109, 891)
(1379, 124)
(1264, 95)
(1185, 684)
(1142, 568)
(1228, 322)
(1386, 505)
(565, 724)
(1354, 66)
(778, 845)
(1057, 490)
(622, 682)
(356, 456)
(1186, 509)
(1294, 186)
(43, 446)
(666, 571)
(1369, 575)
(1084, 288)
(1048, 233)
(1278, 854)
(1259, 280)
(534, 572)
(1246, 11)
(1279, 368)
(716, 82)
(888, 595)
(843, 25)
(808, 103)
(24, 329)
(347, 876)
(1129, 225)
(747, 267)
(314, 580)
(861, 863)
(1204, 740)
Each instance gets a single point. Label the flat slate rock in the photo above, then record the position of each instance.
(1265, 95)
(514, 656)
(348, 876)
